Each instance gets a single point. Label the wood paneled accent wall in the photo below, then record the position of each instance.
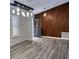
(56, 21)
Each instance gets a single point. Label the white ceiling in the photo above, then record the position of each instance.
(40, 5)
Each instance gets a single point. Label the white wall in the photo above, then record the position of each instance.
(25, 29)
(64, 34)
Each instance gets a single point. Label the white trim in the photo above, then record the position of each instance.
(55, 37)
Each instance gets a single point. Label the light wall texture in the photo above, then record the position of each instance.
(25, 28)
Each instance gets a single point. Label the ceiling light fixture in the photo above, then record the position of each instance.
(18, 9)
(45, 14)
(13, 11)
(23, 13)
(31, 14)
(18, 13)
(21, 5)
(27, 14)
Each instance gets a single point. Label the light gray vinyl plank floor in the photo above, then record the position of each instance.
(45, 49)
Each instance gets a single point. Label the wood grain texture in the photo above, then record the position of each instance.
(41, 49)
(56, 21)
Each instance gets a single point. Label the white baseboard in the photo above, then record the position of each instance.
(55, 37)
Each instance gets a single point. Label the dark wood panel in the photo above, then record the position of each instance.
(56, 21)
